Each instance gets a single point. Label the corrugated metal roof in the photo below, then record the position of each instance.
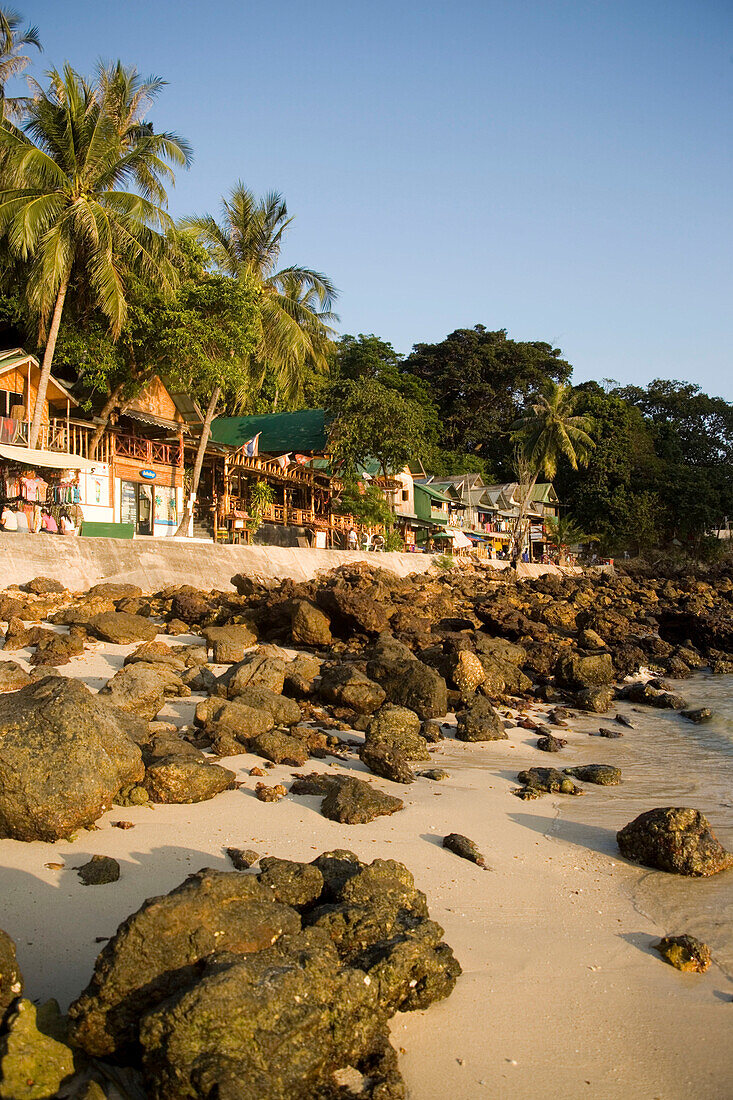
(279, 432)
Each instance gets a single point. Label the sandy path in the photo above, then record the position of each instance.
(560, 996)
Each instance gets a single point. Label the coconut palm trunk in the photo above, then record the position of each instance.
(53, 332)
(199, 461)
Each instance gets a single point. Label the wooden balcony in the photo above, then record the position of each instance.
(147, 451)
(73, 437)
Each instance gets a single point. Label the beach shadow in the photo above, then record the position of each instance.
(432, 838)
(721, 995)
(59, 928)
(642, 941)
(593, 838)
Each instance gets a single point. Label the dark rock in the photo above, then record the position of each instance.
(269, 1026)
(142, 689)
(35, 1061)
(135, 605)
(43, 586)
(157, 951)
(179, 780)
(11, 980)
(597, 700)
(284, 711)
(461, 846)
(436, 774)
(242, 858)
(604, 775)
(300, 674)
(190, 607)
(296, 884)
(113, 590)
(674, 839)
(624, 721)
(309, 625)
(549, 780)
(575, 670)
(685, 953)
(121, 629)
(13, 676)
(57, 649)
(229, 643)
(698, 714)
(414, 685)
(99, 871)
(260, 669)
(480, 722)
(349, 687)
(527, 794)
(386, 761)
(280, 748)
(603, 731)
(354, 802)
(432, 730)
(398, 728)
(650, 695)
(550, 743)
(63, 757)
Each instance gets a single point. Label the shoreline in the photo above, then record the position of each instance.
(560, 993)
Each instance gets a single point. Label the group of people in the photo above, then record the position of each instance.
(19, 520)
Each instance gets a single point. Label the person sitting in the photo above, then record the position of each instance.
(48, 523)
(8, 519)
(21, 521)
(66, 527)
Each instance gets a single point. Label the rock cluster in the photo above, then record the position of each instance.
(266, 986)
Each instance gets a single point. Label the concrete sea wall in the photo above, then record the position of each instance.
(153, 563)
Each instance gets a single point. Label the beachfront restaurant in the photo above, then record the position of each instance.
(288, 452)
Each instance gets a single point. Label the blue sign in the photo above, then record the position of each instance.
(149, 475)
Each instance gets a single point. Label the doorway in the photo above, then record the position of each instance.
(136, 506)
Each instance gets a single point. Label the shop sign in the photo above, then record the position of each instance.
(149, 475)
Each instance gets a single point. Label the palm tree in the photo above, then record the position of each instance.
(295, 302)
(12, 60)
(548, 431)
(564, 532)
(65, 204)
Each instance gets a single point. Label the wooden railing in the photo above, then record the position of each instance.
(146, 450)
(74, 438)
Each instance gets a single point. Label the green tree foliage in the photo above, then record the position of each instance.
(692, 434)
(480, 382)
(13, 61)
(295, 302)
(371, 421)
(83, 192)
(600, 494)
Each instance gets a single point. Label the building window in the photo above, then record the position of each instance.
(8, 401)
(405, 494)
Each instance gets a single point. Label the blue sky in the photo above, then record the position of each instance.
(558, 169)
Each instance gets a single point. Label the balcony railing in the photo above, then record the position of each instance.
(74, 438)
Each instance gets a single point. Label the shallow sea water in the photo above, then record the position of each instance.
(666, 761)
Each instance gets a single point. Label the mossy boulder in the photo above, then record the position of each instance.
(479, 721)
(685, 953)
(35, 1061)
(64, 755)
(674, 839)
(156, 951)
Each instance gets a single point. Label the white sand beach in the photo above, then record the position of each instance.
(560, 995)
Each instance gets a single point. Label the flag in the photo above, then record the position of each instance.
(250, 448)
(284, 460)
(302, 459)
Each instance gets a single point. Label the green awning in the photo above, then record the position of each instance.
(303, 431)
